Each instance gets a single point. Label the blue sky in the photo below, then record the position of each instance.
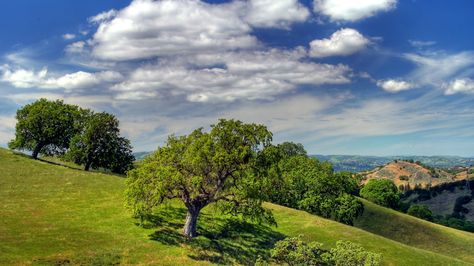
(376, 77)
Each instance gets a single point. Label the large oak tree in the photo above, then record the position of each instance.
(220, 166)
(46, 126)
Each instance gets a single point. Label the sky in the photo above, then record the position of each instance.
(368, 77)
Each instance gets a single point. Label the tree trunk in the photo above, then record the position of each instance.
(190, 227)
(37, 150)
(88, 166)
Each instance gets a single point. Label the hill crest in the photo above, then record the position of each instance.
(410, 175)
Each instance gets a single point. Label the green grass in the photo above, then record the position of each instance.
(55, 215)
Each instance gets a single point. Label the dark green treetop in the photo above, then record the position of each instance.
(46, 127)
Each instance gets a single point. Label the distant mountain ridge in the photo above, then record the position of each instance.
(359, 163)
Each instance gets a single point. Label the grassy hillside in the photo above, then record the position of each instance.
(54, 215)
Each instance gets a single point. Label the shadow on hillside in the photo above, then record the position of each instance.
(222, 240)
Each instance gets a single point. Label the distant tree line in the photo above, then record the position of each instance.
(80, 135)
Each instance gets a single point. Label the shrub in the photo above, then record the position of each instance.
(421, 211)
(382, 192)
(347, 253)
(294, 251)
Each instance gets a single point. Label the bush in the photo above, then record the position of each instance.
(347, 253)
(421, 211)
(382, 192)
(294, 251)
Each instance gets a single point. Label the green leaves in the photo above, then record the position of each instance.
(294, 251)
(46, 124)
(220, 166)
(298, 181)
(99, 144)
(382, 192)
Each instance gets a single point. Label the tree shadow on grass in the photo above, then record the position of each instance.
(223, 240)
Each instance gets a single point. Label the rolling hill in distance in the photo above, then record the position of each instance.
(360, 163)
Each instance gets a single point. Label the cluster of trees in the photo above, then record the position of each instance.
(301, 182)
(294, 251)
(236, 167)
(83, 136)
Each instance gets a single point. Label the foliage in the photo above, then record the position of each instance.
(348, 209)
(46, 127)
(347, 253)
(223, 166)
(299, 181)
(382, 192)
(294, 251)
(289, 149)
(420, 211)
(99, 145)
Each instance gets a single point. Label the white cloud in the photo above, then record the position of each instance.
(275, 14)
(69, 36)
(7, 128)
(342, 42)
(240, 75)
(465, 85)
(393, 85)
(76, 47)
(23, 78)
(352, 10)
(147, 28)
(103, 17)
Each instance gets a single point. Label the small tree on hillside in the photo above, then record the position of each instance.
(381, 191)
(45, 126)
(100, 145)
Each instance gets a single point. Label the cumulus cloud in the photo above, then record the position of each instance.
(149, 28)
(342, 42)
(23, 78)
(275, 14)
(465, 85)
(393, 85)
(350, 10)
(238, 75)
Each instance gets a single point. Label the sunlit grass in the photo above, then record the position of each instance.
(54, 215)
